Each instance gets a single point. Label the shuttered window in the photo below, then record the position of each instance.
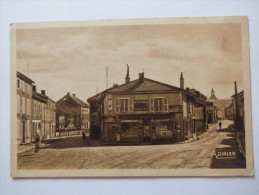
(131, 105)
(151, 105)
(117, 106)
(165, 104)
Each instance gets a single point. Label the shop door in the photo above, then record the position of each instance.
(147, 132)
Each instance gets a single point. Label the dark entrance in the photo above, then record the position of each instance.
(23, 132)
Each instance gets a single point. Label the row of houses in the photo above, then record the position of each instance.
(147, 110)
(38, 113)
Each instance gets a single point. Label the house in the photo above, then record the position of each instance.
(72, 113)
(146, 110)
(44, 115)
(24, 108)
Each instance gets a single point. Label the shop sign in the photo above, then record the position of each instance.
(141, 105)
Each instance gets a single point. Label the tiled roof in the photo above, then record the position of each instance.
(134, 86)
(80, 102)
(24, 78)
(222, 103)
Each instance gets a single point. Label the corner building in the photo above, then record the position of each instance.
(145, 110)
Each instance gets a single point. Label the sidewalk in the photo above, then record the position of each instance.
(31, 146)
(240, 138)
(211, 126)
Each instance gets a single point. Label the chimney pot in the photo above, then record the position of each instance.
(74, 95)
(141, 77)
(43, 92)
(68, 93)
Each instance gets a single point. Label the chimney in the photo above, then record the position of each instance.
(43, 92)
(74, 95)
(141, 77)
(187, 88)
(127, 78)
(115, 85)
(181, 81)
(34, 88)
(68, 93)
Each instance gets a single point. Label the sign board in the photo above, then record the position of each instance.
(141, 105)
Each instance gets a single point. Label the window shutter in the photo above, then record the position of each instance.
(131, 105)
(117, 106)
(165, 104)
(151, 105)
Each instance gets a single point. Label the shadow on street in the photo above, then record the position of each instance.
(229, 146)
(69, 142)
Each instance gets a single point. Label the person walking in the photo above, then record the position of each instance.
(37, 143)
(220, 124)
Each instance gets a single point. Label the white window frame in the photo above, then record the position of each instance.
(162, 103)
(120, 99)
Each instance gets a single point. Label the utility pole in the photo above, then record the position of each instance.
(106, 77)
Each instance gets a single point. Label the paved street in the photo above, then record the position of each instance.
(73, 153)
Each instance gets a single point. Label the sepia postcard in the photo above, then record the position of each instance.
(131, 97)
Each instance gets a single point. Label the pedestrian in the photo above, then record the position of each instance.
(197, 134)
(84, 137)
(220, 124)
(37, 143)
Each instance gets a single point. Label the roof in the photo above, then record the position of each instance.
(40, 97)
(24, 78)
(241, 92)
(148, 86)
(222, 103)
(80, 102)
(212, 97)
(75, 99)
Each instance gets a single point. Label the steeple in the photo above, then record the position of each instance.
(127, 78)
(212, 96)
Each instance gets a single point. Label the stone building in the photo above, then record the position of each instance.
(72, 113)
(146, 110)
(24, 108)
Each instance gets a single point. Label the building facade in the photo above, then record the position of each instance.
(72, 113)
(239, 111)
(24, 108)
(146, 110)
(44, 115)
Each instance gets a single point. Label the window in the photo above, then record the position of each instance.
(28, 106)
(18, 129)
(18, 83)
(38, 109)
(23, 105)
(124, 105)
(158, 104)
(18, 104)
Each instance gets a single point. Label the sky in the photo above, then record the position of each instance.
(74, 59)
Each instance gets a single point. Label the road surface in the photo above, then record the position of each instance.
(73, 153)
